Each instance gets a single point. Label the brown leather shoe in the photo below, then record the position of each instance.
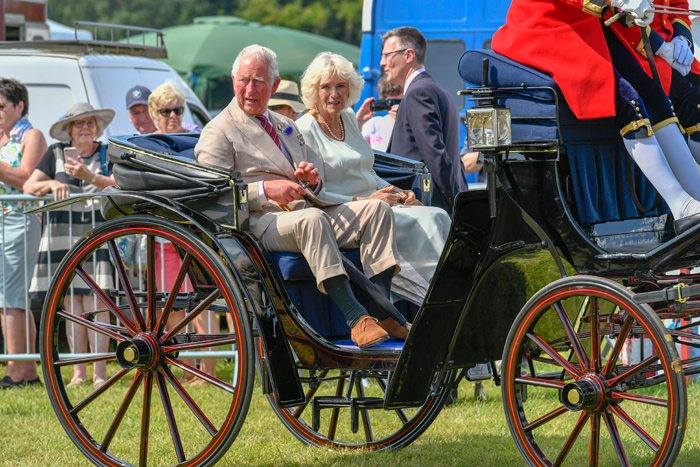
(367, 332)
(394, 329)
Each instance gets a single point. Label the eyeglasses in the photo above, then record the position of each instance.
(82, 123)
(166, 112)
(388, 55)
(4, 106)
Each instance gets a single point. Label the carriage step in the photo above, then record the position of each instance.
(335, 402)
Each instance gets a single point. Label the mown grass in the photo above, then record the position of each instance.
(470, 433)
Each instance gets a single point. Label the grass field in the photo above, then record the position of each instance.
(470, 433)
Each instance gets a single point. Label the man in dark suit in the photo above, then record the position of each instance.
(427, 123)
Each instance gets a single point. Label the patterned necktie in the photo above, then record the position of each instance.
(267, 126)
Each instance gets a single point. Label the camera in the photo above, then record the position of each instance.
(379, 105)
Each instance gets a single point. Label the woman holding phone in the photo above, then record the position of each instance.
(77, 164)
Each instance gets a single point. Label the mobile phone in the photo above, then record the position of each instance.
(70, 152)
(379, 105)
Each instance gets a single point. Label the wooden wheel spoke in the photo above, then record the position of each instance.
(208, 425)
(554, 355)
(594, 448)
(641, 366)
(545, 383)
(96, 393)
(205, 376)
(571, 440)
(145, 419)
(335, 414)
(121, 412)
(615, 438)
(94, 326)
(106, 300)
(193, 314)
(210, 341)
(657, 401)
(594, 308)
(170, 416)
(617, 349)
(638, 430)
(573, 337)
(308, 396)
(126, 285)
(98, 357)
(186, 261)
(545, 419)
(151, 280)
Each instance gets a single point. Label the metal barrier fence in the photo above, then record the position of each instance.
(139, 266)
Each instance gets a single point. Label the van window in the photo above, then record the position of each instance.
(47, 103)
(440, 60)
(199, 116)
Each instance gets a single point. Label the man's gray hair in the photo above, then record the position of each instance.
(261, 53)
(409, 38)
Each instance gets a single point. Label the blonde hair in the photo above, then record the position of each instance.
(163, 95)
(324, 67)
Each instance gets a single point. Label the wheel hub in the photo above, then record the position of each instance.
(585, 394)
(142, 351)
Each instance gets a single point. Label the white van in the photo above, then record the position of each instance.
(60, 73)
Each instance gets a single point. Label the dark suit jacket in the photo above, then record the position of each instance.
(427, 130)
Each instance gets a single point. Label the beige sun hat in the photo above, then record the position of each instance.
(287, 94)
(80, 111)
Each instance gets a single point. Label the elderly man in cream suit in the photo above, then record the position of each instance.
(285, 193)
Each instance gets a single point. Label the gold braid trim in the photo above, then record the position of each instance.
(691, 129)
(593, 7)
(678, 20)
(637, 125)
(667, 122)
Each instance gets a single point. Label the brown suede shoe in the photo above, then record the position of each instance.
(394, 329)
(367, 332)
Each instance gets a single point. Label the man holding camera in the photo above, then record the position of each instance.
(427, 123)
(377, 129)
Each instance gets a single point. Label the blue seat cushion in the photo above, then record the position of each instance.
(178, 145)
(534, 104)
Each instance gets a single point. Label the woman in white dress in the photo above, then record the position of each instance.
(330, 86)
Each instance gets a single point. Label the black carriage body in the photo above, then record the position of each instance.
(552, 221)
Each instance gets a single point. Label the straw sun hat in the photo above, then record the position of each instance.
(80, 111)
(287, 94)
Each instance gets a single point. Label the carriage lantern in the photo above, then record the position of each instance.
(488, 123)
(488, 127)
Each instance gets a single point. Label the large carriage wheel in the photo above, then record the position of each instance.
(592, 378)
(148, 412)
(337, 425)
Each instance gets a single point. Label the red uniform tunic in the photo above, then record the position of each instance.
(563, 38)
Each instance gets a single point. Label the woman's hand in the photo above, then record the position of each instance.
(77, 169)
(387, 194)
(364, 113)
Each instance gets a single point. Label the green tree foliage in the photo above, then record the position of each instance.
(339, 19)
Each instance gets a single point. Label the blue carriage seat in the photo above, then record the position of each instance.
(316, 308)
(596, 155)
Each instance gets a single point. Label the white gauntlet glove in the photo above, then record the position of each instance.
(640, 10)
(668, 52)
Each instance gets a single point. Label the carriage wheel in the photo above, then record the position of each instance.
(590, 377)
(327, 420)
(148, 411)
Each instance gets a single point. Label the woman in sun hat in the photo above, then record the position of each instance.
(286, 100)
(63, 173)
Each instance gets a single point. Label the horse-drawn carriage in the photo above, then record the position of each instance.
(552, 270)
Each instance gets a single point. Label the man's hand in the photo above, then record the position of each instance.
(282, 191)
(668, 51)
(640, 10)
(681, 51)
(307, 173)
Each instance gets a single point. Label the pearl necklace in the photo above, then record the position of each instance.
(342, 128)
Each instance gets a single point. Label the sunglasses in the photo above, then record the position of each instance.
(82, 123)
(166, 112)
